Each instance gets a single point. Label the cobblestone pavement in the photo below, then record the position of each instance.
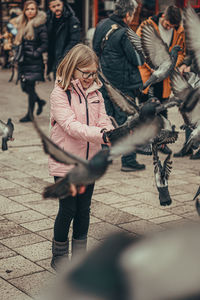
(121, 202)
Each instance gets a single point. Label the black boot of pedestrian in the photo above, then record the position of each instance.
(183, 153)
(25, 119)
(41, 103)
(60, 251)
(196, 155)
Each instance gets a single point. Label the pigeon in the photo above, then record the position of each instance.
(197, 200)
(87, 171)
(190, 107)
(160, 266)
(161, 174)
(6, 131)
(158, 56)
(136, 43)
(191, 25)
(194, 138)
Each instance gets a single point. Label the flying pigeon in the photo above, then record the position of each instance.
(87, 171)
(161, 174)
(190, 107)
(6, 131)
(194, 138)
(191, 26)
(136, 43)
(158, 56)
(160, 266)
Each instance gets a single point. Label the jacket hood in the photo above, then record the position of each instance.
(27, 31)
(94, 87)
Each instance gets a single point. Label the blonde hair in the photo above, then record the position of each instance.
(80, 56)
(23, 22)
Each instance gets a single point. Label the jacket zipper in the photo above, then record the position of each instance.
(87, 118)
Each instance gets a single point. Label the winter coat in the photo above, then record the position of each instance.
(34, 43)
(177, 39)
(76, 127)
(119, 61)
(66, 36)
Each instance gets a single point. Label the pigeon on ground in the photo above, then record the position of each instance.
(160, 266)
(194, 138)
(6, 131)
(87, 171)
(197, 200)
(161, 174)
(158, 56)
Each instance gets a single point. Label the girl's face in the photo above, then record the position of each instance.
(86, 75)
(30, 11)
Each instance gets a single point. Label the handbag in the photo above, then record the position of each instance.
(18, 54)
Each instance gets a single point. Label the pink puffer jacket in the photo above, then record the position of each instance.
(76, 127)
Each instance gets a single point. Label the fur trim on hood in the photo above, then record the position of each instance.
(27, 31)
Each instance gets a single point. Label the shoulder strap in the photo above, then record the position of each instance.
(113, 28)
(69, 96)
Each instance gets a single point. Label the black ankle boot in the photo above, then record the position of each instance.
(41, 103)
(25, 119)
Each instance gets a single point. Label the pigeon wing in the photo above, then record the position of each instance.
(136, 42)
(2, 127)
(124, 102)
(141, 135)
(56, 152)
(180, 87)
(191, 25)
(154, 48)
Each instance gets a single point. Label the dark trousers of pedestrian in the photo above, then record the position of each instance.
(120, 117)
(28, 87)
(77, 209)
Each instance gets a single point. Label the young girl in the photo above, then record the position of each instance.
(32, 36)
(78, 119)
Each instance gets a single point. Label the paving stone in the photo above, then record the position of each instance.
(22, 240)
(8, 206)
(146, 212)
(141, 227)
(35, 252)
(9, 292)
(47, 234)
(184, 197)
(101, 230)
(14, 191)
(39, 225)
(25, 216)
(92, 243)
(46, 207)
(180, 210)
(6, 252)
(110, 198)
(17, 266)
(29, 197)
(33, 284)
(10, 229)
(165, 219)
(46, 264)
(110, 214)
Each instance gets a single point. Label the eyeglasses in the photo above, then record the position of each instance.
(87, 75)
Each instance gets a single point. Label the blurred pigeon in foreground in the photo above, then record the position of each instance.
(87, 171)
(6, 131)
(158, 56)
(163, 266)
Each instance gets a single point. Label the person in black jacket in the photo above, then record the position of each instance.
(32, 42)
(119, 63)
(63, 32)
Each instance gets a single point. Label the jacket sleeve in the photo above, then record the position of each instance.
(74, 34)
(63, 114)
(181, 54)
(104, 120)
(43, 44)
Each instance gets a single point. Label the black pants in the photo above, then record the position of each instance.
(29, 88)
(73, 208)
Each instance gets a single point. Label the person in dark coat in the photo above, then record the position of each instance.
(32, 42)
(63, 32)
(119, 63)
